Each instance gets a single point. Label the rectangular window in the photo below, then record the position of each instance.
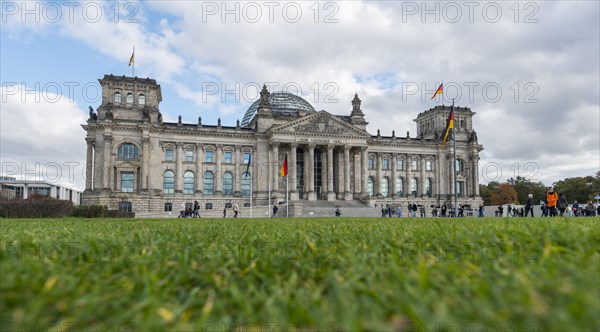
(168, 207)
(415, 165)
(400, 165)
(228, 159)
(460, 189)
(386, 164)
(429, 165)
(209, 157)
(371, 163)
(246, 158)
(189, 156)
(125, 206)
(169, 154)
(127, 182)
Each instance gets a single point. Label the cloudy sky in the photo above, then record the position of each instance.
(530, 71)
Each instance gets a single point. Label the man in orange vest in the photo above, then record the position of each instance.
(552, 198)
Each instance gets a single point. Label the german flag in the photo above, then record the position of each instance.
(449, 127)
(439, 91)
(131, 60)
(283, 171)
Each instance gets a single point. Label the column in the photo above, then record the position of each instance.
(107, 163)
(377, 183)
(237, 177)
(408, 180)
(394, 175)
(218, 180)
(179, 169)
(365, 172)
(475, 175)
(199, 172)
(312, 196)
(145, 162)
(292, 171)
(89, 162)
(330, 192)
(276, 167)
(357, 179)
(423, 176)
(347, 193)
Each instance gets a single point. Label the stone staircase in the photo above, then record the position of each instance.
(353, 208)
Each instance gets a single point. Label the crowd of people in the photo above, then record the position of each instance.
(413, 210)
(553, 205)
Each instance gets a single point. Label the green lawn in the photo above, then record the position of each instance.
(517, 274)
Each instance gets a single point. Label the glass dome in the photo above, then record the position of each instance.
(284, 103)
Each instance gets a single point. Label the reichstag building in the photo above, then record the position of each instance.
(138, 162)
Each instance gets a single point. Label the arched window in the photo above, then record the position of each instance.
(414, 187)
(246, 178)
(462, 124)
(227, 183)
(142, 100)
(429, 187)
(188, 183)
(117, 97)
(168, 182)
(460, 166)
(209, 183)
(399, 186)
(127, 151)
(129, 98)
(384, 187)
(370, 184)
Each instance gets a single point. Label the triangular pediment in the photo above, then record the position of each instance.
(320, 123)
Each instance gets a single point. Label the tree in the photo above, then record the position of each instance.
(505, 194)
(485, 191)
(580, 189)
(525, 187)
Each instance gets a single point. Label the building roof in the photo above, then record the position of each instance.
(282, 103)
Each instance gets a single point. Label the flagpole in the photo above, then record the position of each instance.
(269, 203)
(287, 197)
(454, 148)
(251, 195)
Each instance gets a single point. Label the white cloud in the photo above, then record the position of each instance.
(41, 137)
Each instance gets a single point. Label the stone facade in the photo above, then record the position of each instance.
(136, 161)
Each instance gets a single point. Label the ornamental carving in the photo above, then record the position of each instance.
(320, 124)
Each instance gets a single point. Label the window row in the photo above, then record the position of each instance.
(209, 156)
(414, 166)
(129, 98)
(208, 183)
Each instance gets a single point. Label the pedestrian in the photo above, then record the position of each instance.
(529, 205)
(196, 209)
(399, 211)
(225, 211)
(236, 210)
(444, 209)
(561, 204)
(481, 211)
(544, 209)
(461, 209)
(337, 211)
(389, 210)
(590, 210)
(275, 208)
(551, 199)
(575, 208)
(414, 210)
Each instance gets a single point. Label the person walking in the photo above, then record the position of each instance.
(399, 211)
(551, 199)
(196, 209)
(236, 210)
(561, 204)
(529, 205)
(414, 210)
(337, 211)
(275, 208)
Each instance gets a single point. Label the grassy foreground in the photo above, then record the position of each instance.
(517, 274)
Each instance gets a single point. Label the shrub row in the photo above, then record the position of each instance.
(52, 208)
(35, 208)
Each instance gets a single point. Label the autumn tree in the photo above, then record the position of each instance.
(505, 194)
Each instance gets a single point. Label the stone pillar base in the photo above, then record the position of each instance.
(331, 196)
(348, 196)
(294, 196)
(312, 196)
